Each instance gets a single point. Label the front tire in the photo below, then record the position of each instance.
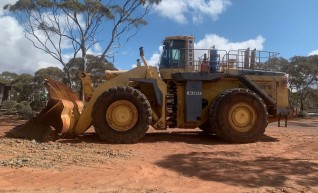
(207, 128)
(121, 115)
(239, 116)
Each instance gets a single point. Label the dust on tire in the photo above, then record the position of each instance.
(219, 115)
(105, 131)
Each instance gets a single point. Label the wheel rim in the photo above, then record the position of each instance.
(122, 115)
(242, 117)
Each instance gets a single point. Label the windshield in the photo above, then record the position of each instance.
(173, 55)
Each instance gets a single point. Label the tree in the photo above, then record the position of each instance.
(275, 64)
(312, 98)
(23, 88)
(9, 106)
(40, 95)
(7, 77)
(303, 77)
(95, 67)
(24, 109)
(303, 73)
(53, 25)
(50, 72)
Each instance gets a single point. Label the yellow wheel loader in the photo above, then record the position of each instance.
(222, 92)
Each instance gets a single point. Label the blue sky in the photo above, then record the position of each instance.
(285, 26)
(289, 27)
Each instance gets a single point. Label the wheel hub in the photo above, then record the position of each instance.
(242, 117)
(122, 115)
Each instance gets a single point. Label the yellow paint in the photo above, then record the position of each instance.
(122, 115)
(85, 120)
(242, 117)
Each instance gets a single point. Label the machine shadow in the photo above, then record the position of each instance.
(303, 124)
(231, 168)
(190, 137)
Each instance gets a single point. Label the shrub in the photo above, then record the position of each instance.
(303, 114)
(24, 109)
(9, 106)
(37, 105)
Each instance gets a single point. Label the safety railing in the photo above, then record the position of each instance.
(222, 61)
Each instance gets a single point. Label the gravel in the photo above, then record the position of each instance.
(55, 154)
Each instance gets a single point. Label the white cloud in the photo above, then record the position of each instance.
(219, 42)
(173, 10)
(181, 10)
(17, 53)
(222, 43)
(5, 2)
(315, 52)
(154, 59)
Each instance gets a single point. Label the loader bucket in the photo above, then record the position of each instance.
(57, 118)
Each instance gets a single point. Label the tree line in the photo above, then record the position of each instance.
(302, 80)
(28, 91)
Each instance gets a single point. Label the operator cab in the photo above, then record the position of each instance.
(173, 55)
(177, 52)
(177, 55)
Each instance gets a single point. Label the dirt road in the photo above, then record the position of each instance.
(284, 160)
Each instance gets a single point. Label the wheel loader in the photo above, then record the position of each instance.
(225, 93)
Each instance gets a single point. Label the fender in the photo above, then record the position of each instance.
(155, 87)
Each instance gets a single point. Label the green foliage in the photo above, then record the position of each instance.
(38, 103)
(24, 109)
(45, 3)
(9, 106)
(276, 64)
(39, 96)
(7, 77)
(303, 76)
(50, 72)
(23, 87)
(94, 66)
(89, 6)
(303, 114)
(26, 87)
(302, 71)
(20, 5)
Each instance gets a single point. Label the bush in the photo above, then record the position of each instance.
(37, 105)
(303, 114)
(24, 109)
(18, 107)
(9, 107)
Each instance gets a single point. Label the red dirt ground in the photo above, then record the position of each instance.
(284, 160)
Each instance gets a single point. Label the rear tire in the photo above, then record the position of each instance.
(121, 115)
(238, 116)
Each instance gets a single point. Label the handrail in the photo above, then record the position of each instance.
(224, 61)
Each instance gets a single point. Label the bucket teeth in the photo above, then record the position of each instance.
(58, 117)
